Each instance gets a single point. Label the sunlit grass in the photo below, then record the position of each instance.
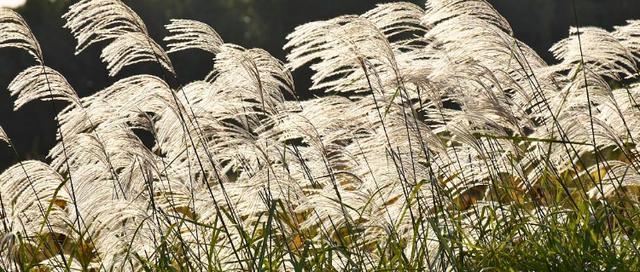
(442, 144)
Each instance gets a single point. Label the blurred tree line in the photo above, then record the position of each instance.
(250, 23)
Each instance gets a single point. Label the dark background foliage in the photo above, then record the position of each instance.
(250, 23)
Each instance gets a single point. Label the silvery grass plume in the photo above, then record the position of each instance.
(437, 125)
(41, 83)
(190, 34)
(16, 33)
(92, 21)
(4, 137)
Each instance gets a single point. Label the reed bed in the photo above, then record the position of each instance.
(441, 143)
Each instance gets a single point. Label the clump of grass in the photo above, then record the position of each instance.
(443, 144)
